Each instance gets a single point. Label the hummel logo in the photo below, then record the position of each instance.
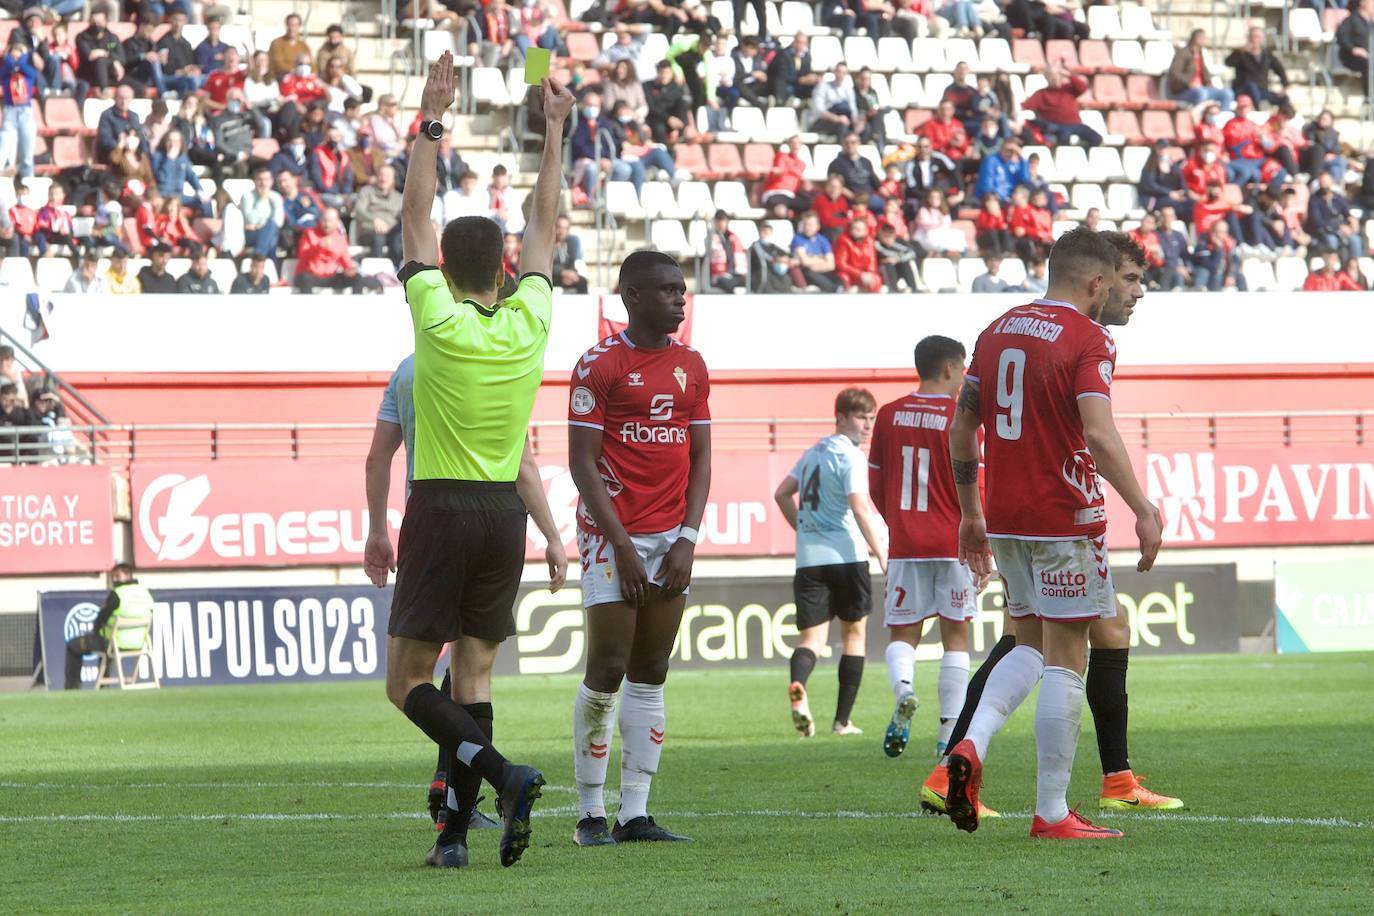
(655, 736)
(597, 750)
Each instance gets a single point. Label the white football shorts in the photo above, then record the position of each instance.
(600, 581)
(1056, 580)
(918, 589)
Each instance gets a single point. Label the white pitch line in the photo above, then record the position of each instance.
(1257, 820)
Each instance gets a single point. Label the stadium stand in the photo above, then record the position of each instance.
(727, 105)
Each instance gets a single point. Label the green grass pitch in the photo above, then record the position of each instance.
(310, 799)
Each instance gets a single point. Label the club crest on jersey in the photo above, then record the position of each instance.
(1081, 473)
(1104, 369)
(635, 380)
(681, 375)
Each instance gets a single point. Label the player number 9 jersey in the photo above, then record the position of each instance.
(645, 403)
(1033, 365)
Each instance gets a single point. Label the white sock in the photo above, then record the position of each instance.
(593, 719)
(641, 744)
(1007, 688)
(953, 686)
(901, 667)
(1057, 719)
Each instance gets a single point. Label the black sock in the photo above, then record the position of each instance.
(450, 725)
(466, 783)
(975, 687)
(445, 753)
(803, 662)
(1106, 691)
(851, 675)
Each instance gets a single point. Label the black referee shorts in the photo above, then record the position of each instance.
(843, 590)
(461, 553)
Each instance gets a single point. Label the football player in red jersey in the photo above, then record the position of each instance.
(1041, 382)
(639, 446)
(912, 486)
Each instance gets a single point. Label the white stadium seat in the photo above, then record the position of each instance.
(1087, 197)
(860, 52)
(1070, 163)
(223, 272)
(1104, 22)
(962, 50)
(694, 200)
(969, 269)
(927, 55)
(733, 198)
(995, 53)
(1259, 275)
(1123, 202)
(1290, 273)
(894, 54)
(826, 52)
(907, 90)
(1158, 56)
(939, 275)
(1128, 55)
(51, 273)
(1104, 165)
(667, 235)
(1047, 170)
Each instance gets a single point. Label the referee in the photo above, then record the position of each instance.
(477, 370)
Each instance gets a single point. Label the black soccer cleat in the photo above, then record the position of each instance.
(644, 830)
(438, 795)
(448, 855)
(522, 788)
(480, 821)
(593, 831)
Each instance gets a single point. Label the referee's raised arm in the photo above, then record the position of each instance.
(418, 241)
(536, 251)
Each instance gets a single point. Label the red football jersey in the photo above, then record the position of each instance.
(643, 401)
(910, 480)
(1032, 366)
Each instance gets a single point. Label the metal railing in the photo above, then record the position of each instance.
(120, 446)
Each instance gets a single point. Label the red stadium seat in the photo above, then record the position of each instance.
(758, 160)
(1126, 124)
(1096, 56)
(584, 46)
(64, 117)
(915, 117)
(1108, 92)
(1028, 51)
(1061, 51)
(6, 27)
(970, 232)
(1183, 126)
(68, 152)
(123, 30)
(206, 228)
(1158, 125)
(1142, 88)
(689, 156)
(1332, 19)
(265, 148)
(723, 159)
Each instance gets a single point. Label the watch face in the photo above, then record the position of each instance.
(435, 129)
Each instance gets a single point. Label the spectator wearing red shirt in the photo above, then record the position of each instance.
(331, 174)
(302, 85)
(894, 217)
(723, 250)
(322, 259)
(1208, 127)
(832, 207)
(231, 76)
(856, 259)
(991, 231)
(1203, 168)
(785, 191)
(1330, 279)
(174, 228)
(1213, 208)
(54, 223)
(1147, 237)
(1254, 156)
(1031, 224)
(946, 133)
(24, 218)
(1057, 115)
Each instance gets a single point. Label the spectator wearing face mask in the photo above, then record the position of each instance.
(291, 159)
(1161, 182)
(1202, 169)
(331, 175)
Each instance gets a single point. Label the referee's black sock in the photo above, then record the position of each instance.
(851, 675)
(1106, 690)
(466, 783)
(803, 662)
(450, 725)
(445, 753)
(975, 687)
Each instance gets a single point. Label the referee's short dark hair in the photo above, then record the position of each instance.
(472, 247)
(635, 267)
(933, 353)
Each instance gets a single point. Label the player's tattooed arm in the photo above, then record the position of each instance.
(965, 472)
(969, 399)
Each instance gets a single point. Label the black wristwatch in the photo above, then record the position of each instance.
(432, 129)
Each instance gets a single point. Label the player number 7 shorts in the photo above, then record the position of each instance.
(600, 581)
(918, 589)
(1057, 580)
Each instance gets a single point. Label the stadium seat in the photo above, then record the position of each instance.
(826, 52)
(1047, 169)
(894, 54)
(733, 198)
(1158, 125)
(1095, 120)
(1033, 83)
(1087, 197)
(723, 10)
(436, 42)
(1137, 22)
(1070, 162)
(1305, 26)
(782, 232)
(723, 160)
(1126, 124)
(178, 266)
(914, 118)
(51, 274)
(881, 87)
(969, 269)
(697, 231)
(939, 275)
(962, 51)
(1184, 127)
(1133, 161)
(583, 46)
(782, 123)
(62, 116)
(17, 274)
(1013, 271)
(489, 86)
(896, 129)
(231, 230)
(1331, 20)
(1104, 165)
(927, 55)
(691, 158)
(758, 160)
(906, 90)
(1127, 55)
(240, 36)
(995, 53)
(68, 152)
(859, 52)
(223, 272)
(1145, 89)
(667, 235)
(797, 16)
(1290, 273)
(1095, 55)
(1158, 56)
(1259, 275)
(1104, 22)
(621, 199)
(747, 123)
(694, 200)
(1123, 202)
(822, 154)
(1108, 92)
(1028, 52)
(746, 230)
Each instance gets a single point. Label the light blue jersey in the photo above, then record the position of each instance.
(826, 475)
(399, 407)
